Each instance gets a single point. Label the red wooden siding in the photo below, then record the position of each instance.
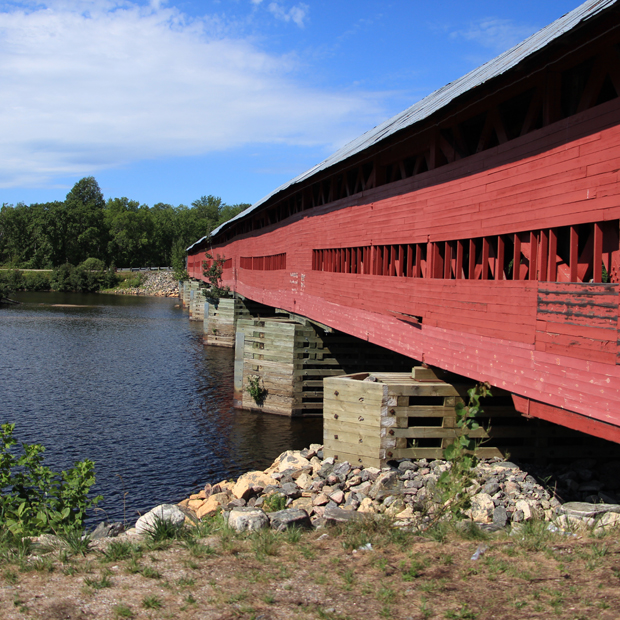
(446, 243)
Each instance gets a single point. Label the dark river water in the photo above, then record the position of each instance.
(126, 382)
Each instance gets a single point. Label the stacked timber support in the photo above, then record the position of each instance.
(221, 316)
(289, 359)
(372, 418)
(196, 301)
(184, 293)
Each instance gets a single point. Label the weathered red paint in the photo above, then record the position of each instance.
(546, 334)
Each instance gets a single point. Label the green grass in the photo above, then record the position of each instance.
(152, 602)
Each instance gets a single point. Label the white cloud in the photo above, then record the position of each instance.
(297, 14)
(495, 33)
(92, 85)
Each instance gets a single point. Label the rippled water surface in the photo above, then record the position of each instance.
(126, 381)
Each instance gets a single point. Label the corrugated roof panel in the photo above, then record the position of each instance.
(443, 96)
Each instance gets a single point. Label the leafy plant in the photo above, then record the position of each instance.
(274, 502)
(35, 499)
(461, 453)
(212, 269)
(256, 390)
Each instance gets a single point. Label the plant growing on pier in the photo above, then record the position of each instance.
(213, 271)
(256, 390)
(35, 499)
(462, 455)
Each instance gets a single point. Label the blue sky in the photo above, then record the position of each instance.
(168, 101)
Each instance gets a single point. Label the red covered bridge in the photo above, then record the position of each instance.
(477, 231)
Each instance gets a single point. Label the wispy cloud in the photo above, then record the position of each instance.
(296, 14)
(91, 85)
(495, 33)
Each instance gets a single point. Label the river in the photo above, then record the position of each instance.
(126, 382)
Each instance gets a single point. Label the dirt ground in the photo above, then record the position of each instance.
(328, 574)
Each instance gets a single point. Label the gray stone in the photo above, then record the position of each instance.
(491, 488)
(247, 519)
(283, 519)
(507, 465)
(386, 484)
(338, 515)
(326, 469)
(404, 466)
(290, 489)
(583, 510)
(164, 512)
(370, 474)
(343, 469)
(107, 530)
(500, 517)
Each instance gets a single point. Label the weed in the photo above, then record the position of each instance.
(198, 549)
(293, 535)
(309, 554)
(190, 600)
(186, 582)
(265, 542)
(386, 595)
(464, 613)
(151, 602)
(123, 611)
(150, 573)
(99, 584)
(349, 578)
(471, 531)
(274, 502)
(269, 599)
(415, 569)
(238, 597)
(256, 389)
(162, 530)
(120, 550)
(425, 609)
(10, 576)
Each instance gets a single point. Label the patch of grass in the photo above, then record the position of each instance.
(76, 541)
(265, 542)
(238, 597)
(123, 611)
(415, 569)
(150, 573)
(99, 584)
(198, 549)
(349, 578)
(10, 576)
(463, 613)
(119, 550)
(386, 595)
(293, 535)
(471, 531)
(308, 552)
(186, 582)
(152, 602)
(269, 599)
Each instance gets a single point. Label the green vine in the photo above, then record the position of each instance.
(256, 390)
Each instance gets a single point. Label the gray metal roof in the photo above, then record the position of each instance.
(442, 97)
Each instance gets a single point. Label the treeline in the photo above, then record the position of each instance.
(118, 231)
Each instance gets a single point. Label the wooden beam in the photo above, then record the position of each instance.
(499, 261)
(533, 273)
(516, 258)
(597, 261)
(458, 271)
(573, 262)
(484, 275)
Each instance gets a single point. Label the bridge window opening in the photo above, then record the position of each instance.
(580, 253)
(425, 421)
(263, 263)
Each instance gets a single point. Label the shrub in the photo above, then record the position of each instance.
(37, 500)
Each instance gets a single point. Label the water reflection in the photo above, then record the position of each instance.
(126, 382)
